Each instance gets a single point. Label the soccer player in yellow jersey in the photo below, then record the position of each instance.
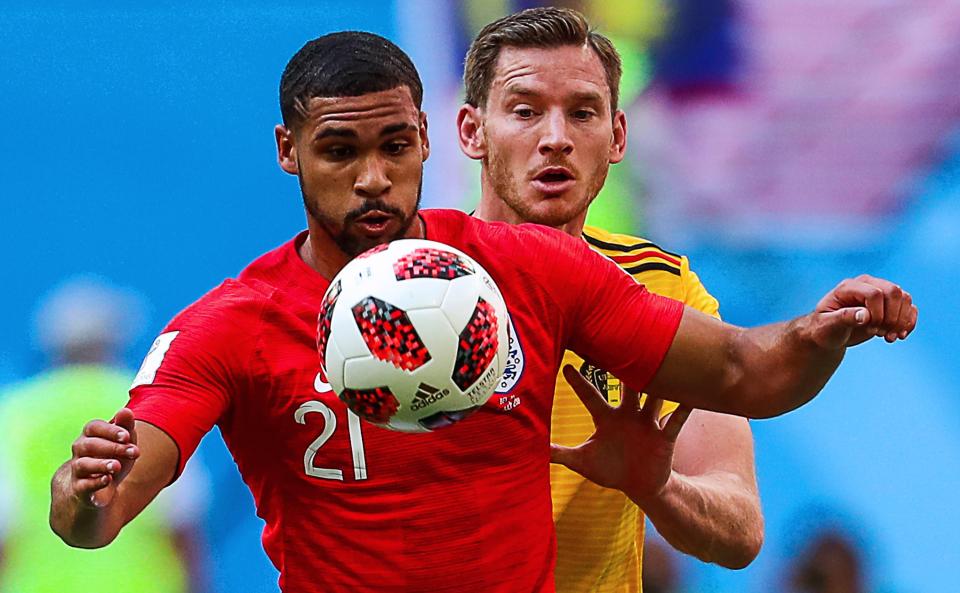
(541, 115)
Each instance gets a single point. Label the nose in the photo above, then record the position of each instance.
(556, 136)
(372, 180)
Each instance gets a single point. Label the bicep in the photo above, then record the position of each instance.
(698, 365)
(152, 471)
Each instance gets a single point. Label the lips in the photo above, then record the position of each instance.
(374, 223)
(553, 180)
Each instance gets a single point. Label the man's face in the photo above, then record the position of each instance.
(547, 134)
(360, 165)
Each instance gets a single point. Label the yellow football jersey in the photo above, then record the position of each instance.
(600, 530)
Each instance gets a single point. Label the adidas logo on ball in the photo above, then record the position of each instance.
(426, 395)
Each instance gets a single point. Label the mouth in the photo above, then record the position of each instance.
(374, 223)
(554, 180)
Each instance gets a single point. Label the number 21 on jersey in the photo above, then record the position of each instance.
(329, 427)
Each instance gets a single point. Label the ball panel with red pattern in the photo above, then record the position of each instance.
(428, 262)
(477, 345)
(324, 318)
(389, 334)
(376, 405)
(373, 250)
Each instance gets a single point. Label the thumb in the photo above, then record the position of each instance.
(569, 457)
(125, 419)
(834, 328)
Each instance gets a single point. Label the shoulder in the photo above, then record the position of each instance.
(636, 255)
(663, 272)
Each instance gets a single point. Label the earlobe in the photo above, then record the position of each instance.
(286, 150)
(470, 132)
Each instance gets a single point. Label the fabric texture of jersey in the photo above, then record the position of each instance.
(599, 530)
(353, 507)
(39, 420)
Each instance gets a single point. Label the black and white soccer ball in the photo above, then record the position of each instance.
(412, 335)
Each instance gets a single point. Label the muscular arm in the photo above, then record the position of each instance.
(102, 487)
(770, 370)
(709, 506)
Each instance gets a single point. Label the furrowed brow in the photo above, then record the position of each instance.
(335, 133)
(395, 128)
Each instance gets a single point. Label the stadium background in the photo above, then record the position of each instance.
(782, 145)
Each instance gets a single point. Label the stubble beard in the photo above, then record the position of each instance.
(354, 245)
(511, 193)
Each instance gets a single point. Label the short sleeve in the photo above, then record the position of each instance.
(195, 368)
(610, 320)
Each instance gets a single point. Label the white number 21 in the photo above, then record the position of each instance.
(329, 426)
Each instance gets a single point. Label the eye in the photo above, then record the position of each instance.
(395, 148)
(583, 114)
(523, 112)
(340, 151)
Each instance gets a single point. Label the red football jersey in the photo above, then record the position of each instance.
(350, 506)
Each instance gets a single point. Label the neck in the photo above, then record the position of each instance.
(322, 253)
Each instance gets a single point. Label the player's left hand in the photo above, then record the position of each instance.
(631, 448)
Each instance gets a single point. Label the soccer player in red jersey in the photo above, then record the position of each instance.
(352, 507)
(541, 116)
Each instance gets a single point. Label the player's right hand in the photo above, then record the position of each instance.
(102, 456)
(860, 308)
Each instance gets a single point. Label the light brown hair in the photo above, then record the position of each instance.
(535, 28)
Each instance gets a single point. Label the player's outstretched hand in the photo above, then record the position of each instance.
(861, 308)
(102, 456)
(631, 448)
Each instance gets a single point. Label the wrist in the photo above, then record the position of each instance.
(651, 500)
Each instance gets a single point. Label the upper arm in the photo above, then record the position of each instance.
(152, 471)
(699, 365)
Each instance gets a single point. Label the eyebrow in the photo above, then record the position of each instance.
(334, 132)
(581, 96)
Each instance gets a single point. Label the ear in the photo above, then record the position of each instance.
(470, 132)
(618, 145)
(286, 150)
(424, 139)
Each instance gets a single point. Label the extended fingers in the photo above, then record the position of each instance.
(591, 397)
(675, 422)
(569, 457)
(651, 409)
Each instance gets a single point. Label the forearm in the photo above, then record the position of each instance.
(78, 522)
(778, 368)
(714, 517)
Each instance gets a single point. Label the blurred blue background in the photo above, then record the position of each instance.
(783, 146)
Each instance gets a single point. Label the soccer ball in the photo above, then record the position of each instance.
(412, 335)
